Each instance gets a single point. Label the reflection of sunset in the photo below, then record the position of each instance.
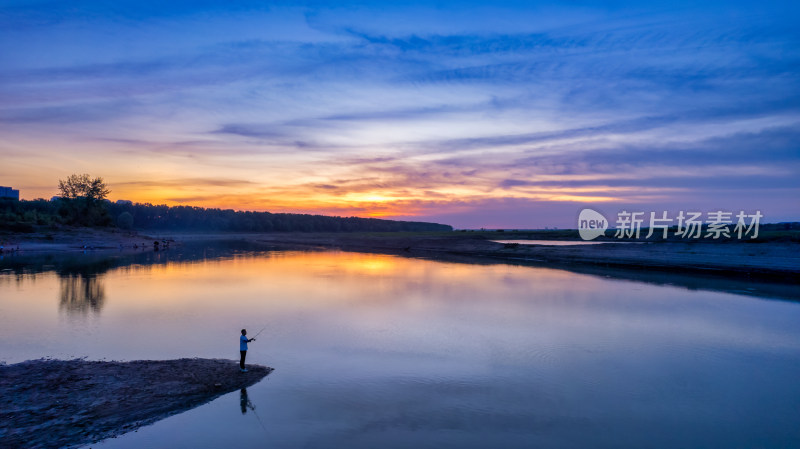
(373, 265)
(290, 271)
(318, 297)
(277, 277)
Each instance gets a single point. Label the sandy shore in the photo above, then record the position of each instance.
(778, 261)
(770, 260)
(67, 403)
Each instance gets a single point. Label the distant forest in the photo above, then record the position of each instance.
(148, 216)
(26, 216)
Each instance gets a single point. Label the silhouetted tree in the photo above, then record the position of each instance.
(83, 186)
(83, 201)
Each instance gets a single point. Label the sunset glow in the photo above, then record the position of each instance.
(473, 114)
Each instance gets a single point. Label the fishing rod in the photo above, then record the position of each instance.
(259, 332)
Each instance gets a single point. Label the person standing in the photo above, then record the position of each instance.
(243, 341)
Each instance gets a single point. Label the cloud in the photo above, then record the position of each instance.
(93, 112)
(259, 131)
(767, 148)
(408, 103)
(186, 183)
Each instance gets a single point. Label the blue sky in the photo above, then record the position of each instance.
(477, 114)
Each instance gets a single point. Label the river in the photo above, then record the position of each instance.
(375, 350)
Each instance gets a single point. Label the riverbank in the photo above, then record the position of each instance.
(68, 403)
(769, 260)
(74, 239)
(779, 261)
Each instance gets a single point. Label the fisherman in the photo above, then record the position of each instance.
(243, 340)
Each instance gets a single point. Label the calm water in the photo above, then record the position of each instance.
(562, 242)
(551, 242)
(382, 351)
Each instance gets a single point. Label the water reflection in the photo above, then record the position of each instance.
(244, 401)
(27, 266)
(385, 351)
(99, 262)
(81, 294)
(81, 275)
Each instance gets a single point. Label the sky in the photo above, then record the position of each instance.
(476, 114)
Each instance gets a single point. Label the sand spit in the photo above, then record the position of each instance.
(778, 261)
(772, 260)
(67, 403)
(765, 261)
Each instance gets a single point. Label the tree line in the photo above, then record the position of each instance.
(149, 216)
(83, 203)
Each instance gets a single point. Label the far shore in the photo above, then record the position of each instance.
(772, 261)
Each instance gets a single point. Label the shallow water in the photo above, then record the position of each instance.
(551, 242)
(383, 351)
(561, 242)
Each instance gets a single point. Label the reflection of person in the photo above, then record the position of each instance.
(244, 401)
(243, 340)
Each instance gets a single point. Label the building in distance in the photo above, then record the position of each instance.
(8, 192)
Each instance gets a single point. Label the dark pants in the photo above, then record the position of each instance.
(241, 360)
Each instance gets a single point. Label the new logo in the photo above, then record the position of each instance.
(591, 224)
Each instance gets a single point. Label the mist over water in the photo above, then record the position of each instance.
(377, 350)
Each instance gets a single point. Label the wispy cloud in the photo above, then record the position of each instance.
(406, 108)
(186, 182)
